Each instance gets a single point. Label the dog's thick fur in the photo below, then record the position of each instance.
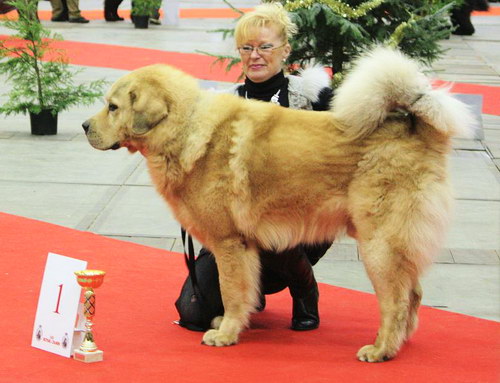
(242, 174)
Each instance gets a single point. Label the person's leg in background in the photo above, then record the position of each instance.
(111, 10)
(155, 16)
(460, 17)
(74, 12)
(59, 10)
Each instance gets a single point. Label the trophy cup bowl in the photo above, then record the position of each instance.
(89, 280)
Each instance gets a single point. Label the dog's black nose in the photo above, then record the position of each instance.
(86, 126)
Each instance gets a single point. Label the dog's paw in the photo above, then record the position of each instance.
(216, 322)
(371, 353)
(218, 338)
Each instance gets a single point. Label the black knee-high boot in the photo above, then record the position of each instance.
(305, 311)
(305, 295)
(292, 268)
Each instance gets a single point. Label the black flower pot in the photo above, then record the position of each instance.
(43, 123)
(141, 22)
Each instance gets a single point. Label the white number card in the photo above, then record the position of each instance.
(57, 309)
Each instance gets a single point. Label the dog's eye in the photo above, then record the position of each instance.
(112, 107)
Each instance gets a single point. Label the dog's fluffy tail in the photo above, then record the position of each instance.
(385, 79)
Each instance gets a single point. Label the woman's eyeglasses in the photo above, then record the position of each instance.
(263, 50)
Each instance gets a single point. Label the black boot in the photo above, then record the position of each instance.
(111, 10)
(305, 311)
(304, 291)
(291, 268)
(460, 19)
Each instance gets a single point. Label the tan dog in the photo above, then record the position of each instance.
(241, 175)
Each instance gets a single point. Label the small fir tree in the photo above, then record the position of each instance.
(39, 73)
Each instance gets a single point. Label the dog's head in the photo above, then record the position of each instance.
(136, 104)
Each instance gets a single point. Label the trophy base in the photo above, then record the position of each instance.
(88, 357)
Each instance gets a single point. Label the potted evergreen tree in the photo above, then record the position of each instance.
(42, 81)
(142, 10)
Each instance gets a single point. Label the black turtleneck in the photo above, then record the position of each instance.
(265, 90)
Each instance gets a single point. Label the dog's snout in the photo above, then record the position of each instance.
(86, 126)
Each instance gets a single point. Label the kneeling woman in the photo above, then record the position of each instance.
(262, 39)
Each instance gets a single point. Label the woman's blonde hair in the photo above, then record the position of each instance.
(265, 15)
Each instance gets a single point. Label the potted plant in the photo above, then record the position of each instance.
(41, 79)
(142, 10)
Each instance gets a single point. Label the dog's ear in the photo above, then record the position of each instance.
(149, 109)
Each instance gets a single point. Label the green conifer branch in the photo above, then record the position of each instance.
(339, 7)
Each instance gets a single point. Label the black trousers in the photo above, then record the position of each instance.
(291, 268)
(111, 8)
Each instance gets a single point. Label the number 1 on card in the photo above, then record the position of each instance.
(59, 299)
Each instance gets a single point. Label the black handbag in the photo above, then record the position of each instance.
(200, 300)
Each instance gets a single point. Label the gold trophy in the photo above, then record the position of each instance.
(89, 280)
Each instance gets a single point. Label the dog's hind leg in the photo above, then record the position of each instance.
(395, 280)
(239, 275)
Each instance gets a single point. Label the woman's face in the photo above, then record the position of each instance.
(259, 67)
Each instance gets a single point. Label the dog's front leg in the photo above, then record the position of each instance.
(239, 276)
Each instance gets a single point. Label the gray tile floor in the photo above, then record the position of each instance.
(62, 180)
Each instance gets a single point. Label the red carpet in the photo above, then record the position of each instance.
(491, 95)
(493, 11)
(130, 58)
(135, 310)
(184, 13)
